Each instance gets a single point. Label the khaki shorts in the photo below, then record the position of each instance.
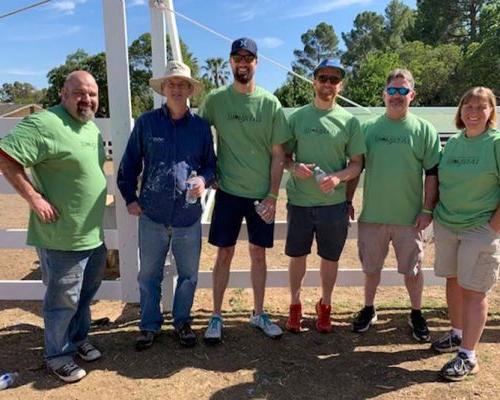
(471, 255)
(373, 246)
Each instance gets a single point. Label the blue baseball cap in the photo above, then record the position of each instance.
(244, 44)
(330, 63)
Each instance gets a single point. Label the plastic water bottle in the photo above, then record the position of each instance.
(7, 380)
(319, 174)
(261, 209)
(190, 199)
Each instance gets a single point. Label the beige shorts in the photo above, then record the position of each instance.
(471, 255)
(373, 246)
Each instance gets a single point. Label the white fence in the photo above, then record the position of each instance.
(126, 287)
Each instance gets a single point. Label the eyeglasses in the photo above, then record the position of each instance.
(240, 57)
(391, 91)
(328, 78)
(180, 85)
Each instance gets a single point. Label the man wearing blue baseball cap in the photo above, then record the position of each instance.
(251, 129)
(325, 152)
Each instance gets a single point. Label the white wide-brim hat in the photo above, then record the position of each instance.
(176, 69)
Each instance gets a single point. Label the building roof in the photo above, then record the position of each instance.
(9, 108)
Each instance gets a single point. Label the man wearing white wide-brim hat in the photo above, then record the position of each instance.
(173, 149)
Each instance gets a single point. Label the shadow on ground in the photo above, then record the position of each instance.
(305, 366)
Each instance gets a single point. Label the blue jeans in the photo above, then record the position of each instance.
(154, 242)
(72, 279)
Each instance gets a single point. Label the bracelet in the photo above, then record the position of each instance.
(426, 211)
(272, 196)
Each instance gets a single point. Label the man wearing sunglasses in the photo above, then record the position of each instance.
(251, 128)
(326, 136)
(401, 149)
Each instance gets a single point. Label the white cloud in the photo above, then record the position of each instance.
(284, 9)
(269, 42)
(67, 6)
(319, 7)
(22, 72)
(133, 3)
(52, 32)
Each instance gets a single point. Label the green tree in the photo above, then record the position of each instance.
(216, 71)
(399, 21)
(20, 93)
(367, 36)
(373, 32)
(366, 86)
(295, 92)
(434, 71)
(319, 43)
(450, 21)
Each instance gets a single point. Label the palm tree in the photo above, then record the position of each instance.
(216, 71)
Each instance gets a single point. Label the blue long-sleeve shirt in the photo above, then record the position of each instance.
(166, 151)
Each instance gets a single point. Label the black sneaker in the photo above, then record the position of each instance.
(69, 372)
(448, 343)
(145, 340)
(187, 337)
(419, 328)
(458, 368)
(364, 319)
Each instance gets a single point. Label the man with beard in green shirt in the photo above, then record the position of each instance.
(400, 147)
(251, 129)
(325, 136)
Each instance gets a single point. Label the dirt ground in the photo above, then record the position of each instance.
(384, 363)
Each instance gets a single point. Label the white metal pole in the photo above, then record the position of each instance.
(120, 127)
(172, 31)
(158, 48)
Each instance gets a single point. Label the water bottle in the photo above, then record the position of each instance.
(261, 209)
(319, 174)
(189, 185)
(7, 380)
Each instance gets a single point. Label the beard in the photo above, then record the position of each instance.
(243, 77)
(85, 114)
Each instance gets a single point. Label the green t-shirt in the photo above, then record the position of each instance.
(469, 178)
(327, 138)
(66, 159)
(247, 126)
(397, 153)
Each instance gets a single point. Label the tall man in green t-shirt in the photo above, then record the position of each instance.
(400, 147)
(328, 137)
(251, 128)
(63, 148)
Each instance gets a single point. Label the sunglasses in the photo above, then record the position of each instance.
(239, 58)
(328, 78)
(391, 91)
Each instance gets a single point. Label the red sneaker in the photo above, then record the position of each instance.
(323, 324)
(294, 317)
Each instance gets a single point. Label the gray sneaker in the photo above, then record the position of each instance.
(69, 372)
(448, 343)
(458, 368)
(213, 333)
(263, 323)
(88, 352)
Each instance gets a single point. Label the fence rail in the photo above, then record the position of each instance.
(126, 289)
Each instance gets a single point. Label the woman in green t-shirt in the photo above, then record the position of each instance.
(467, 226)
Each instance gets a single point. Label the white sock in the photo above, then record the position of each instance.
(471, 354)
(457, 332)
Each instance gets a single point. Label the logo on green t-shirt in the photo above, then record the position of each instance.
(243, 117)
(392, 140)
(317, 131)
(459, 161)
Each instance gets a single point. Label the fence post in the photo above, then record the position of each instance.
(115, 30)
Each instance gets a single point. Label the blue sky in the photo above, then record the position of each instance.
(34, 41)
